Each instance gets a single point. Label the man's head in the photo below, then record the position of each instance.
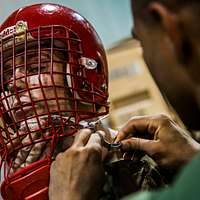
(52, 63)
(170, 39)
(53, 75)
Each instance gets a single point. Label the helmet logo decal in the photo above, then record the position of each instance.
(7, 32)
(20, 27)
(88, 63)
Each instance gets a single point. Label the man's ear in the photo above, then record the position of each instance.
(169, 23)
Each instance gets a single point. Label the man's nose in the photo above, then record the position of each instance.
(17, 81)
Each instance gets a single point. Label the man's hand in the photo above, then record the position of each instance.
(78, 172)
(160, 138)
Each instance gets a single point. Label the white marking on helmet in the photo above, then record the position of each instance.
(89, 63)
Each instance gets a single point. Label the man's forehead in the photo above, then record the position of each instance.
(16, 48)
(28, 47)
(18, 38)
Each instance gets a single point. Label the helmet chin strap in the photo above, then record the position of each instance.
(37, 128)
(35, 147)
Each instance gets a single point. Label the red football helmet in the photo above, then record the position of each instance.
(53, 76)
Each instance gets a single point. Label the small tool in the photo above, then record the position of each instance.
(112, 146)
(93, 126)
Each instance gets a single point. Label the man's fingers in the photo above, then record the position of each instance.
(82, 137)
(145, 124)
(86, 137)
(96, 139)
(149, 146)
(133, 126)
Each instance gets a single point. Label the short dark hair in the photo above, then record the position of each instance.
(173, 5)
(140, 11)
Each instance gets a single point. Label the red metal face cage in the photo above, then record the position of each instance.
(53, 75)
